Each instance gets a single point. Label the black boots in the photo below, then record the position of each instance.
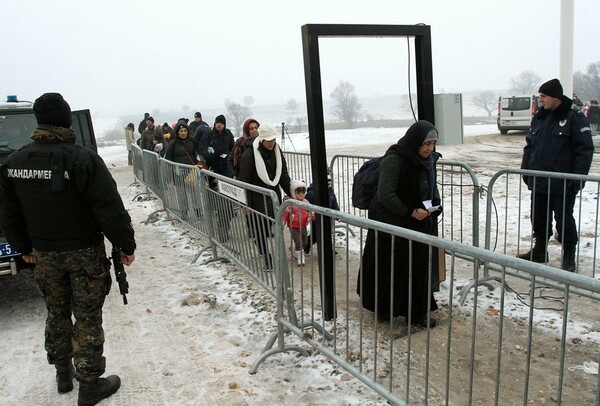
(568, 260)
(91, 393)
(538, 253)
(267, 262)
(307, 247)
(64, 377)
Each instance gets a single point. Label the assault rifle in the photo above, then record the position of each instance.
(120, 274)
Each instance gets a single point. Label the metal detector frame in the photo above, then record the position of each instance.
(316, 125)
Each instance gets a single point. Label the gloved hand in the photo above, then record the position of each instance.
(210, 150)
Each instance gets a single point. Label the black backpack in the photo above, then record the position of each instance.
(366, 179)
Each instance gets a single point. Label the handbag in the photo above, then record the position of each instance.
(192, 176)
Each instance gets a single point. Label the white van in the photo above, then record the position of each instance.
(515, 112)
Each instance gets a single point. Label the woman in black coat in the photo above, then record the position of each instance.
(407, 179)
(264, 165)
(182, 148)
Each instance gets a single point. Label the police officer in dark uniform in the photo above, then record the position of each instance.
(57, 202)
(559, 141)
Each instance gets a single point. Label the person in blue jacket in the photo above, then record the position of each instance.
(333, 204)
(559, 141)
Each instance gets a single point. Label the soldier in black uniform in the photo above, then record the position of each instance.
(57, 202)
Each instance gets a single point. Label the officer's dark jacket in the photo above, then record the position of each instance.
(558, 141)
(40, 209)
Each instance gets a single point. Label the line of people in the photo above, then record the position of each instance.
(254, 158)
(592, 111)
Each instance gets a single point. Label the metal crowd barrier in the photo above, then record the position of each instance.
(138, 164)
(504, 346)
(508, 221)
(243, 234)
(514, 345)
(459, 190)
(299, 166)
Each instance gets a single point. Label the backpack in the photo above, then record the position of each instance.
(366, 179)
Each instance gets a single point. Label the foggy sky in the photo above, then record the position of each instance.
(123, 57)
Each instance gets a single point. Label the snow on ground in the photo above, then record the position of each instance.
(190, 332)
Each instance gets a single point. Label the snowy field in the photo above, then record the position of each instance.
(117, 155)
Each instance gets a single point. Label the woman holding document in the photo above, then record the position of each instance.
(394, 275)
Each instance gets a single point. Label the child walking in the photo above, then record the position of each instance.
(158, 146)
(297, 220)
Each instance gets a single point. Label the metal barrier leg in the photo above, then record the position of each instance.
(136, 198)
(268, 350)
(214, 259)
(464, 291)
(155, 212)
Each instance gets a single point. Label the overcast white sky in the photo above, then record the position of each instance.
(128, 57)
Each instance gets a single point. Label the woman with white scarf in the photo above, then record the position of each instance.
(264, 165)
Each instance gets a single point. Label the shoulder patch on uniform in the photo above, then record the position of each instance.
(584, 129)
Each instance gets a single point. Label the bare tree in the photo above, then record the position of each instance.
(485, 100)
(347, 107)
(526, 83)
(236, 114)
(300, 121)
(248, 100)
(587, 85)
(291, 105)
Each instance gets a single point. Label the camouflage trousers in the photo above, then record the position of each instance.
(75, 283)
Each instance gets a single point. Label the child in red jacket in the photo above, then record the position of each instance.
(297, 220)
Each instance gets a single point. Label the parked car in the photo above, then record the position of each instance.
(515, 112)
(17, 121)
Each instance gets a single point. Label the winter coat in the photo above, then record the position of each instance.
(405, 181)
(182, 151)
(148, 134)
(215, 148)
(391, 204)
(593, 114)
(194, 125)
(240, 146)
(201, 129)
(295, 217)
(142, 125)
(129, 138)
(333, 202)
(559, 141)
(249, 174)
(72, 213)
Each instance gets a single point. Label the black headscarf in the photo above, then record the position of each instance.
(408, 146)
(408, 150)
